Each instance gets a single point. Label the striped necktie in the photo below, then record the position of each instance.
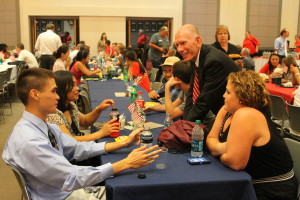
(52, 138)
(196, 88)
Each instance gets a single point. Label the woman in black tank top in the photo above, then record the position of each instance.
(245, 137)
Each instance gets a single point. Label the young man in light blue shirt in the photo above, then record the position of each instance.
(280, 44)
(41, 152)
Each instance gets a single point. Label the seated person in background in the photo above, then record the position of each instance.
(248, 61)
(268, 68)
(222, 37)
(66, 38)
(181, 79)
(245, 137)
(78, 67)
(121, 55)
(26, 56)
(80, 47)
(295, 71)
(63, 59)
(68, 118)
(4, 51)
(289, 75)
(167, 73)
(108, 50)
(137, 70)
(114, 52)
(42, 153)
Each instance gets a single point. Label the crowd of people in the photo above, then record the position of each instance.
(199, 82)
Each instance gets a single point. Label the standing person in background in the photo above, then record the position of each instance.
(63, 59)
(208, 82)
(157, 42)
(280, 43)
(26, 56)
(143, 45)
(222, 37)
(66, 38)
(101, 43)
(142, 40)
(251, 43)
(47, 43)
(297, 43)
(248, 62)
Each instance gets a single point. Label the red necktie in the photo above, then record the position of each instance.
(196, 88)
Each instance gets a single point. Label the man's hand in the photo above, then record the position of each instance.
(172, 81)
(134, 137)
(141, 157)
(153, 95)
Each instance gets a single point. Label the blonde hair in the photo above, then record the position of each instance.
(251, 89)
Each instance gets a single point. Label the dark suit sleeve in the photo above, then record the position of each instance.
(213, 84)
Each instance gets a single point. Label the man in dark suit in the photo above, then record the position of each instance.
(212, 67)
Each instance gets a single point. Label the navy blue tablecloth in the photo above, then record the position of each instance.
(179, 180)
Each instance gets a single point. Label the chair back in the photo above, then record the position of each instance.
(8, 75)
(155, 85)
(294, 118)
(21, 182)
(86, 102)
(294, 147)
(2, 80)
(278, 110)
(153, 74)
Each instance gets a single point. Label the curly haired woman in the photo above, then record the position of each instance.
(245, 137)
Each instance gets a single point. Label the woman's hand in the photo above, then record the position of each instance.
(109, 128)
(294, 69)
(105, 104)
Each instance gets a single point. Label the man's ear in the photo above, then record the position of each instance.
(34, 94)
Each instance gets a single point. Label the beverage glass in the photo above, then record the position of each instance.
(161, 161)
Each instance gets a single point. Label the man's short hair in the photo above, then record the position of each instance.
(50, 26)
(32, 78)
(246, 51)
(283, 31)
(20, 45)
(164, 28)
(183, 71)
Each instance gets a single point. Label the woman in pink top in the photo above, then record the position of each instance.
(63, 59)
(79, 66)
(137, 70)
(273, 63)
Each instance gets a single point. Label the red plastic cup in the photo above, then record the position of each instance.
(95, 68)
(117, 133)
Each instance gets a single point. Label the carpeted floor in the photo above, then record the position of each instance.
(9, 188)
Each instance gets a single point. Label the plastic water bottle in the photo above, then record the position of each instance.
(125, 75)
(146, 137)
(104, 74)
(197, 140)
(140, 99)
(168, 121)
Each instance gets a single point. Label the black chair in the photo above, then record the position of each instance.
(278, 110)
(294, 118)
(294, 147)
(25, 194)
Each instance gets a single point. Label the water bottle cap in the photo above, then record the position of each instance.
(198, 121)
(140, 92)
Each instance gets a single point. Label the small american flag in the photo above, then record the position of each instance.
(136, 118)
